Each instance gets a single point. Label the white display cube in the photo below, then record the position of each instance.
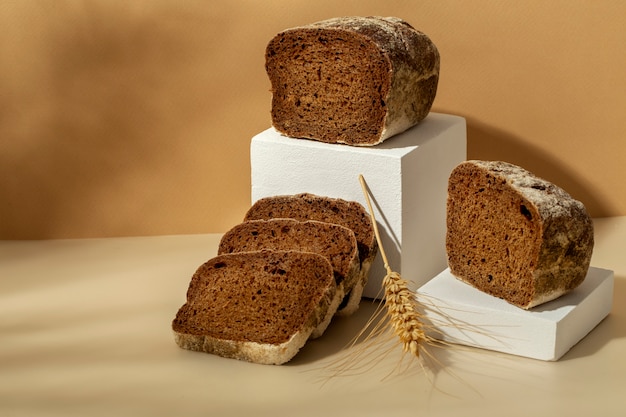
(407, 176)
(463, 315)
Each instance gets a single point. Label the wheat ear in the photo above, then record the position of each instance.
(397, 318)
(402, 307)
(400, 316)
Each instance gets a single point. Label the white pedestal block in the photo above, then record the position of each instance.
(464, 315)
(407, 176)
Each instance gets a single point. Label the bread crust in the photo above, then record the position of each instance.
(515, 235)
(382, 84)
(261, 353)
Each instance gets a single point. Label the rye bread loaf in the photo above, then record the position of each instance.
(351, 80)
(336, 243)
(514, 235)
(255, 306)
(350, 214)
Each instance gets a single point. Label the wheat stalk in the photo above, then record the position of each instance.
(397, 318)
(402, 306)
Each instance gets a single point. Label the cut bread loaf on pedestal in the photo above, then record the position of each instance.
(352, 80)
(256, 306)
(514, 235)
(336, 243)
(345, 213)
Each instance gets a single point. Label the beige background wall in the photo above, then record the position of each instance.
(135, 118)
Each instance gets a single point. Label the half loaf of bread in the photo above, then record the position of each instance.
(256, 306)
(336, 243)
(514, 235)
(352, 80)
(350, 214)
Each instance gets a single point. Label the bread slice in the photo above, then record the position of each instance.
(350, 214)
(514, 235)
(336, 243)
(352, 80)
(255, 306)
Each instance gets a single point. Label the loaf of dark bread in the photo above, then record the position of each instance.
(256, 306)
(345, 213)
(352, 80)
(514, 235)
(336, 243)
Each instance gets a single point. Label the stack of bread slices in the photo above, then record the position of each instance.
(278, 279)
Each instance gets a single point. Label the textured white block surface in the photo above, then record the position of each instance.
(467, 316)
(407, 176)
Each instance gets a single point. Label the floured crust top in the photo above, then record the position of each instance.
(392, 35)
(549, 199)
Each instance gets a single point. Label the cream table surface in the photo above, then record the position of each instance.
(85, 331)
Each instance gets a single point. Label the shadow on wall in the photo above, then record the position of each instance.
(87, 121)
(99, 117)
(488, 143)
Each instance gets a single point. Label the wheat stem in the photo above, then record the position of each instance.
(400, 301)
